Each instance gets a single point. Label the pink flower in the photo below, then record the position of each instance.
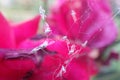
(80, 67)
(11, 35)
(41, 59)
(13, 66)
(84, 20)
(18, 65)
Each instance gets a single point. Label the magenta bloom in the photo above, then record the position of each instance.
(12, 65)
(84, 20)
(51, 61)
(79, 67)
(18, 65)
(40, 65)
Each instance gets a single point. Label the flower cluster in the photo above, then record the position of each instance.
(72, 29)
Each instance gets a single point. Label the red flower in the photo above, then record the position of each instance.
(84, 20)
(13, 66)
(67, 61)
(78, 66)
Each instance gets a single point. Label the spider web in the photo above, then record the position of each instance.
(82, 19)
(61, 70)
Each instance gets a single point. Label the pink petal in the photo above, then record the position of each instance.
(81, 69)
(15, 69)
(26, 30)
(6, 34)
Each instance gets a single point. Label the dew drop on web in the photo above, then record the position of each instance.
(47, 28)
(42, 12)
